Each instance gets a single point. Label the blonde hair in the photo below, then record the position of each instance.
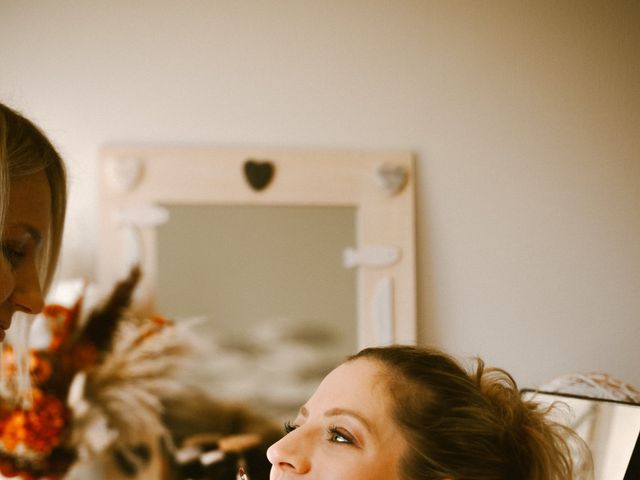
(469, 425)
(25, 150)
(4, 170)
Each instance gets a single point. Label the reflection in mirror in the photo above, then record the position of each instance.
(611, 429)
(278, 308)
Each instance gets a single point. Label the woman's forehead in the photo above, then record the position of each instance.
(356, 383)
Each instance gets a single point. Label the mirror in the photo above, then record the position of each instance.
(293, 259)
(610, 428)
(272, 288)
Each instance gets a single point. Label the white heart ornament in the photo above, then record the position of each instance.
(392, 178)
(124, 173)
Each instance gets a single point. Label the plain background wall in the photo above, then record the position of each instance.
(524, 118)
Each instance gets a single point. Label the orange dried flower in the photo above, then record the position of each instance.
(40, 367)
(38, 429)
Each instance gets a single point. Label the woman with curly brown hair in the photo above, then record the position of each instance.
(404, 412)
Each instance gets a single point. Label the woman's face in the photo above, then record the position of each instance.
(27, 224)
(345, 431)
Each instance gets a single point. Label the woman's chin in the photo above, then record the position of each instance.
(5, 323)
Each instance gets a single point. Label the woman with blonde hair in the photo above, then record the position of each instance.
(33, 199)
(404, 412)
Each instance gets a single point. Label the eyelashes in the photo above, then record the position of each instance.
(289, 427)
(339, 435)
(12, 255)
(335, 434)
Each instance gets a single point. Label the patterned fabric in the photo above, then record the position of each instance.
(594, 385)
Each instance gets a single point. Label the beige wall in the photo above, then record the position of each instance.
(524, 116)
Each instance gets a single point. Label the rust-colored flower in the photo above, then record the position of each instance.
(40, 367)
(33, 441)
(8, 468)
(39, 429)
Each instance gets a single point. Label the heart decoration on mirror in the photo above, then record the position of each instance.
(392, 178)
(258, 173)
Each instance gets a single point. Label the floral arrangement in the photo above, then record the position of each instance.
(96, 388)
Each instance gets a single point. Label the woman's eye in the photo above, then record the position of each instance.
(12, 255)
(339, 436)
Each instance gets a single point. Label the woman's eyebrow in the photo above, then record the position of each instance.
(351, 413)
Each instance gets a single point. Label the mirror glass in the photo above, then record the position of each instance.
(278, 308)
(611, 430)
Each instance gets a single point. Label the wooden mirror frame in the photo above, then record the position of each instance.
(135, 180)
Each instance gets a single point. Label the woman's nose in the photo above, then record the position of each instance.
(27, 295)
(289, 454)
